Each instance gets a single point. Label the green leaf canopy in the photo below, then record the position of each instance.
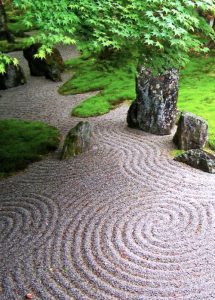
(162, 32)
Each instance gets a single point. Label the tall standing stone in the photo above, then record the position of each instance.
(155, 107)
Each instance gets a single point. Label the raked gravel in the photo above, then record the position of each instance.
(120, 222)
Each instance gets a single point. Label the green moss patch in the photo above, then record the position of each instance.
(23, 142)
(176, 152)
(115, 84)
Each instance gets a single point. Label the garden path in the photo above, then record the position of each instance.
(120, 222)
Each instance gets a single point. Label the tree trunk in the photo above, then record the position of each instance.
(155, 107)
(211, 43)
(4, 32)
(212, 22)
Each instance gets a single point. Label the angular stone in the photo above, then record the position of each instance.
(14, 76)
(50, 67)
(77, 140)
(155, 107)
(198, 159)
(192, 132)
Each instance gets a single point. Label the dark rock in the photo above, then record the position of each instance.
(155, 107)
(198, 159)
(50, 67)
(13, 77)
(192, 132)
(77, 140)
(6, 35)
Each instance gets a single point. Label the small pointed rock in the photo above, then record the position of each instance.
(77, 140)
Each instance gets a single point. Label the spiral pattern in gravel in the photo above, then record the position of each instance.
(120, 222)
(24, 217)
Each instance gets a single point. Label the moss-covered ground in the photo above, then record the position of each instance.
(23, 142)
(116, 84)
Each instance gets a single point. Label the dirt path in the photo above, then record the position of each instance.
(120, 222)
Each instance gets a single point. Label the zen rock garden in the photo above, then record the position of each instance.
(107, 150)
(154, 109)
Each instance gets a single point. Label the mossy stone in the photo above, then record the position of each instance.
(77, 140)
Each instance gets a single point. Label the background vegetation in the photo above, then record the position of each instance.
(163, 33)
(197, 91)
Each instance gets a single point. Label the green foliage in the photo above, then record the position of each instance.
(16, 24)
(55, 21)
(5, 60)
(116, 84)
(163, 32)
(22, 142)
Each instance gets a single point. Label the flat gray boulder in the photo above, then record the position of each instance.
(14, 76)
(198, 159)
(192, 132)
(77, 140)
(155, 107)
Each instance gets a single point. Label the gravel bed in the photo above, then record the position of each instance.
(122, 221)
